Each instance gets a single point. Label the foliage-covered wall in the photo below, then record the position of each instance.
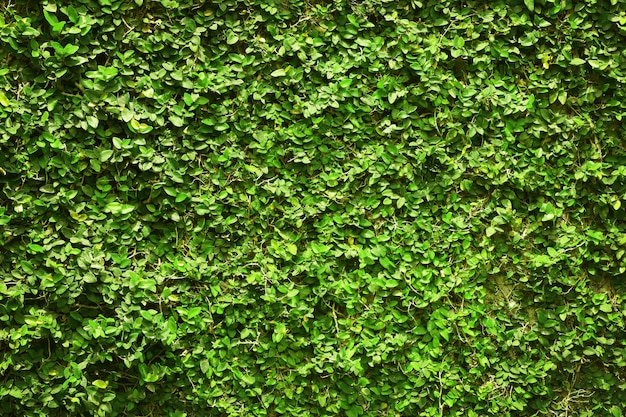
(312, 208)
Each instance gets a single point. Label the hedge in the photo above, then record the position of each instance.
(312, 208)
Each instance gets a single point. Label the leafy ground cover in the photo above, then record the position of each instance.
(312, 208)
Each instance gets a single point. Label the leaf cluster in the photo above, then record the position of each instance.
(366, 208)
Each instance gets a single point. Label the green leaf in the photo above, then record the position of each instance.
(16, 393)
(119, 208)
(279, 333)
(530, 105)
(64, 51)
(530, 4)
(543, 260)
(105, 155)
(617, 203)
(292, 249)
(101, 384)
(52, 19)
(319, 248)
(387, 263)
(92, 121)
(279, 73)
(577, 61)
(47, 188)
(36, 248)
(4, 101)
(205, 366)
(193, 312)
(177, 120)
(232, 38)
(138, 127)
(147, 315)
(127, 115)
(354, 411)
(248, 379)
(103, 73)
(607, 308)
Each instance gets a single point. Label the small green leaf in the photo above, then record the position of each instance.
(181, 197)
(127, 115)
(279, 73)
(92, 121)
(387, 263)
(70, 49)
(177, 120)
(139, 127)
(279, 333)
(35, 247)
(530, 105)
(617, 204)
(577, 61)
(490, 231)
(607, 308)
(48, 189)
(118, 208)
(248, 379)
(4, 101)
(105, 155)
(292, 249)
(530, 4)
(101, 384)
(16, 393)
(193, 312)
(107, 73)
(232, 38)
(52, 19)
(205, 366)
(319, 248)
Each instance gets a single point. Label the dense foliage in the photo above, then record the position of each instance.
(312, 208)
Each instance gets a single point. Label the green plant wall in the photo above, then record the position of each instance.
(312, 208)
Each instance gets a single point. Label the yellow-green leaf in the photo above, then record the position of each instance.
(139, 127)
(279, 73)
(101, 384)
(4, 101)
